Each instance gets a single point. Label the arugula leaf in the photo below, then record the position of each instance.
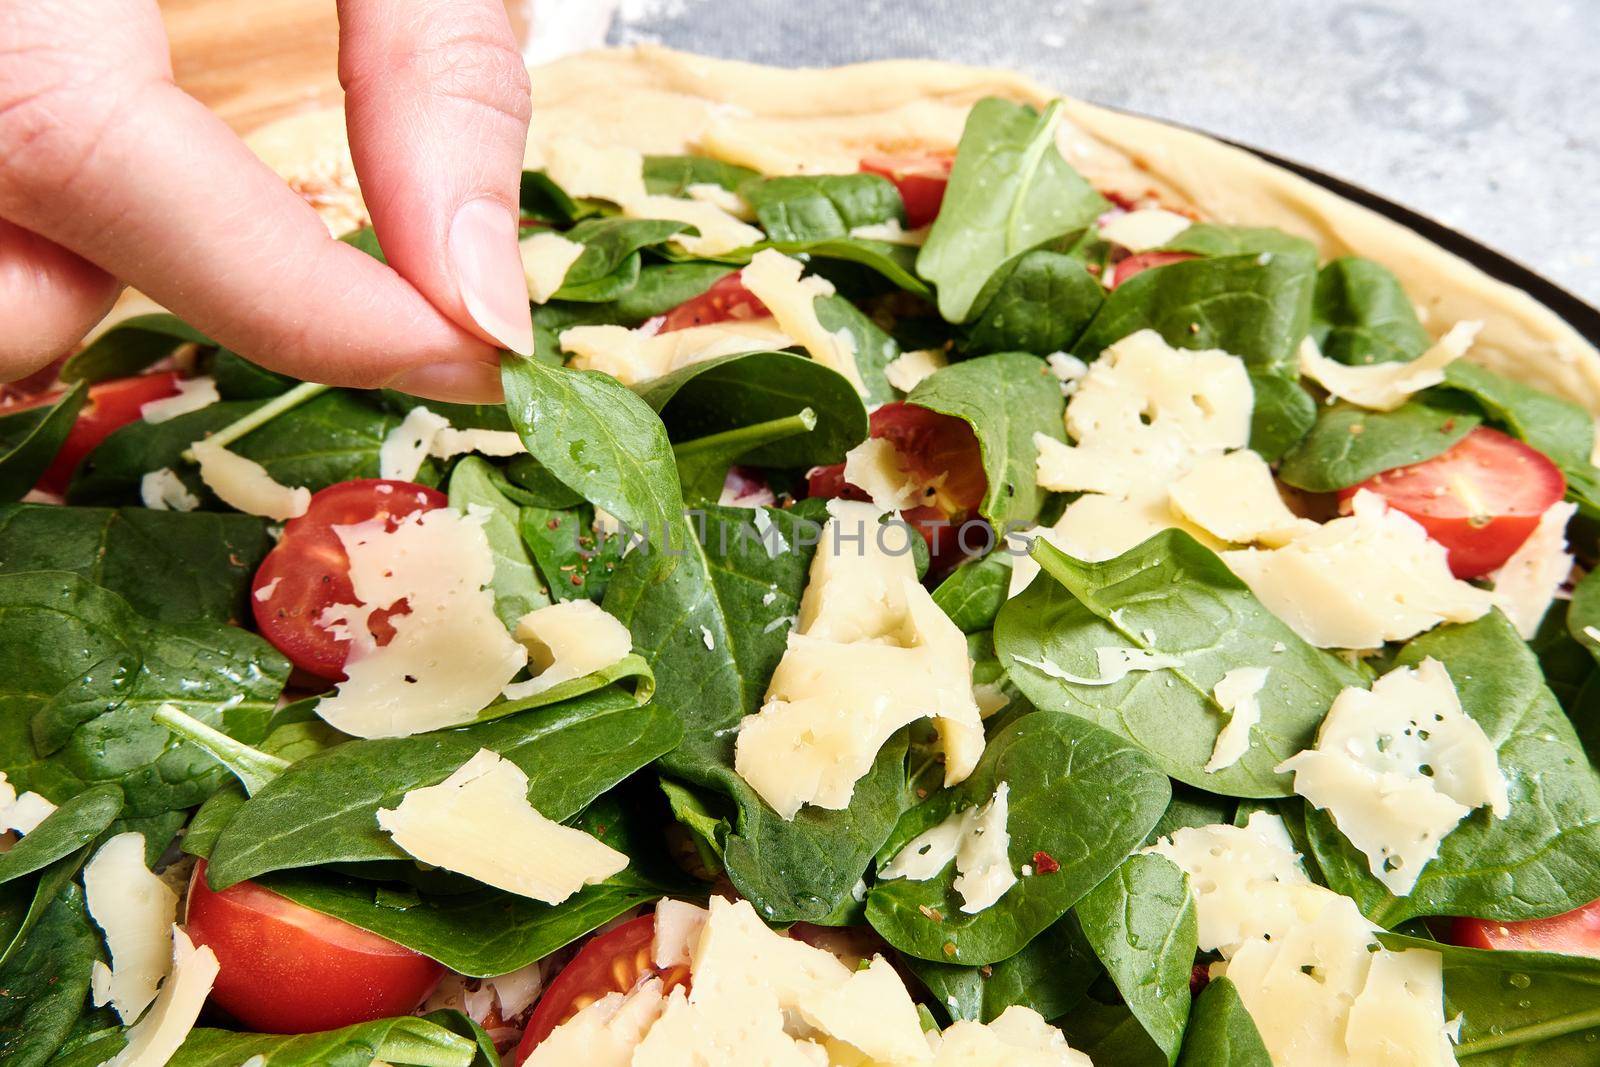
(1006, 399)
(1038, 302)
(672, 175)
(1349, 444)
(1171, 596)
(517, 589)
(974, 592)
(1361, 314)
(810, 207)
(1221, 1032)
(610, 263)
(1142, 924)
(75, 824)
(1079, 794)
(1050, 975)
(44, 986)
(81, 675)
(30, 439)
(170, 566)
(1010, 192)
(323, 809)
(131, 346)
(403, 1041)
(1544, 857)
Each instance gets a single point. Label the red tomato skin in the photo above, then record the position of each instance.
(1143, 261)
(308, 570)
(616, 961)
(922, 181)
(1576, 933)
(285, 969)
(1514, 483)
(109, 406)
(727, 299)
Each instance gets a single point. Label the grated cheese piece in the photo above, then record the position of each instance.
(478, 822)
(565, 641)
(22, 813)
(193, 394)
(136, 909)
(977, 840)
(589, 170)
(719, 231)
(678, 928)
(154, 1039)
(162, 490)
(1237, 693)
(910, 368)
(245, 485)
(1144, 228)
(874, 467)
(1385, 386)
(546, 258)
(774, 279)
(407, 445)
(450, 655)
(1398, 767)
(1525, 586)
(717, 196)
(450, 442)
(604, 1033)
(1068, 369)
(642, 355)
(1233, 497)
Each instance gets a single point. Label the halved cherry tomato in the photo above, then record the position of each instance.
(727, 299)
(614, 962)
(922, 181)
(109, 406)
(1577, 933)
(285, 969)
(1143, 261)
(308, 571)
(1480, 499)
(938, 450)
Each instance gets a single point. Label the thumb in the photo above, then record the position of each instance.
(437, 103)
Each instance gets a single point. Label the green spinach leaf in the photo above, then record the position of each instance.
(517, 589)
(1349, 444)
(1110, 1035)
(130, 347)
(809, 207)
(1360, 314)
(1050, 975)
(974, 592)
(30, 439)
(704, 463)
(672, 175)
(44, 986)
(1211, 239)
(574, 554)
(610, 263)
(72, 826)
(1038, 302)
(895, 263)
(1221, 1032)
(874, 349)
(402, 1041)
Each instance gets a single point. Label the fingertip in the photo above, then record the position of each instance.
(489, 274)
(452, 383)
(49, 298)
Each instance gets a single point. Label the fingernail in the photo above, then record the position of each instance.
(453, 383)
(483, 248)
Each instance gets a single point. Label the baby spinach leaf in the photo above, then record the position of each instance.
(1517, 1008)
(403, 1041)
(1349, 444)
(526, 481)
(672, 175)
(731, 392)
(660, 288)
(609, 264)
(1211, 239)
(24, 904)
(92, 1049)
(517, 589)
(44, 986)
(1141, 922)
(30, 439)
(239, 379)
(631, 667)
(1360, 314)
(130, 347)
(1050, 975)
(704, 462)
(1171, 596)
(1079, 794)
(1221, 1032)
(81, 674)
(461, 416)
(323, 809)
(1191, 807)
(973, 593)
(1006, 399)
(1038, 302)
(896, 263)
(545, 201)
(75, 824)
(1110, 1035)
(874, 349)
(575, 556)
(1544, 857)
(171, 566)
(809, 207)
(1583, 614)
(1010, 191)
(1283, 413)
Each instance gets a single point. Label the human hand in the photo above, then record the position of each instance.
(110, 174)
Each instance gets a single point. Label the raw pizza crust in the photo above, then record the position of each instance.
(782, 121)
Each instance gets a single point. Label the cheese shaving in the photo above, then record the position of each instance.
(1385, 386)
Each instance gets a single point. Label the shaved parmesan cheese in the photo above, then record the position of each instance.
(450, 442)
(589, 170)
(1385, 386)
(870, 1012)
(1144, 229)
(566, 641)
(977, 840)
(245, 485)
(546, 258)
(193, 394)
(1068, 369)
(450, 655)
(1098, 527)
(1233, 497)
(154, 1039)
(1115, 664)
(719, 231)
(1237, 694)
(1360, 580)
(604, 1033)
(908, 369)
(407, 445)
(22, 813)
(1397, 1018)
(892, 232)
(774, 279)
(874, 467)
(1398, 767)
(136, 910)
(1530, 579)
(678, 926)
(1020, 1037)
(871, 653)
(642, 355)
(717, 196)
(163, 490)
(478, 822)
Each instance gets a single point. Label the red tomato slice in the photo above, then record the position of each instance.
(614, 962)
(727, 299)
(308, 571)
(285, 969)
(109, 406)
(1577, 933)
(1481, 499)
(1143, 261)
(921, 180)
